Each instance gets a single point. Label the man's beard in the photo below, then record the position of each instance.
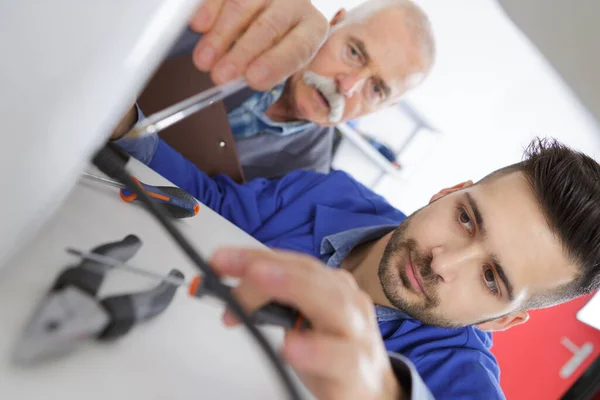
(394, 284)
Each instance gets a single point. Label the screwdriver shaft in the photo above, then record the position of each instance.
(164, 118)
(101, 179)
(111, 262)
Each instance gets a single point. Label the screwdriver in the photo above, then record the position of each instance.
(177, 202)
(273, 313)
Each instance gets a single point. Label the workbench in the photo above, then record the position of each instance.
(184, 353)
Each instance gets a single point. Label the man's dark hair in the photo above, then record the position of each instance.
(566, 183)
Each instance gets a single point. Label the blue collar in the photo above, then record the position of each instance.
(335, 248)
(330, 221)
(250, 119)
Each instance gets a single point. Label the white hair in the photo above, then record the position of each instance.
(416, 20)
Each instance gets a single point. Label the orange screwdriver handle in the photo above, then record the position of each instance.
(177, 202)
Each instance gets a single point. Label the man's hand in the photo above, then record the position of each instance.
(125, 124)
(342, 356)
(263, 40)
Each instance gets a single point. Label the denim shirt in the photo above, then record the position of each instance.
(249, 118)
(335, 248)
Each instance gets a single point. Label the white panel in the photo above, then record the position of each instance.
(71, 68)
(390, 126)
(352, 160)
(590, 313)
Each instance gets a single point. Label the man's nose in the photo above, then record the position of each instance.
(349, 84)
(451, 264)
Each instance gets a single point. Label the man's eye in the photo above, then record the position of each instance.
(489, 279)
(465, 219)
(377, 89)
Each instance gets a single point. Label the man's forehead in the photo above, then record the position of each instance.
(517, 230)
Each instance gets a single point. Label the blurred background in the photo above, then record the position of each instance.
(490, 92)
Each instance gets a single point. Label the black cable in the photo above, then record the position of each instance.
(109, 163)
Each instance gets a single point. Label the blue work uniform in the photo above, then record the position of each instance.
(327, 216)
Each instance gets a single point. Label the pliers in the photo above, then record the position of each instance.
(71, 314)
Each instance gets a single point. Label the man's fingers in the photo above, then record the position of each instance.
(204, 18)
(318, 356)
(327, 298)
(234, 17)
(249, 297)
(234, 262)
(292, 52)
(334, 368)
(264, 32)
(310, 287)
(229, 261)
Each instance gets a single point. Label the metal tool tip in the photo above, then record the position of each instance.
(73, 251)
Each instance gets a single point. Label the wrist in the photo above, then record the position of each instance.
(125, 124)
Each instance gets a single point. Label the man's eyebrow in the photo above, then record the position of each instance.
(507, 284)
(386, 89)
(362, 49)
(500, 270)
(478, 218)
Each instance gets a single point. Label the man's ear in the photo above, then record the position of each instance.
(339, 17)
(447, 191)
(503, 323)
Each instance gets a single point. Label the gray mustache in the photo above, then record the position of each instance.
(327, 86)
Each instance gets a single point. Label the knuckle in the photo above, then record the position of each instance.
(314, 265)
(306, 4)
(320, 21)
(346, 277)
(317, 20)
(272, 27)
(306, 49)
(365, 303)
(240, 6)
(242, 53)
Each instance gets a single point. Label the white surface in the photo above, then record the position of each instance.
(590, 313)
(566, 32)
(392, 125)
(184, 353)
(352, 160)
(368, 150)
(70, 70)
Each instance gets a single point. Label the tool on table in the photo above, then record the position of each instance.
(270, 314)
(71, 314)
(164, 118)
(177, 202)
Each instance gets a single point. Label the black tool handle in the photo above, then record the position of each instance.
(175, 210)
(280, 315)
(129, 309)
(177, 202)
(88, 275)
(270, 314)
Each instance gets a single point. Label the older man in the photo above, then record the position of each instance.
(374, 53)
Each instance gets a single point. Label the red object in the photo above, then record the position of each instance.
(542, 358)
